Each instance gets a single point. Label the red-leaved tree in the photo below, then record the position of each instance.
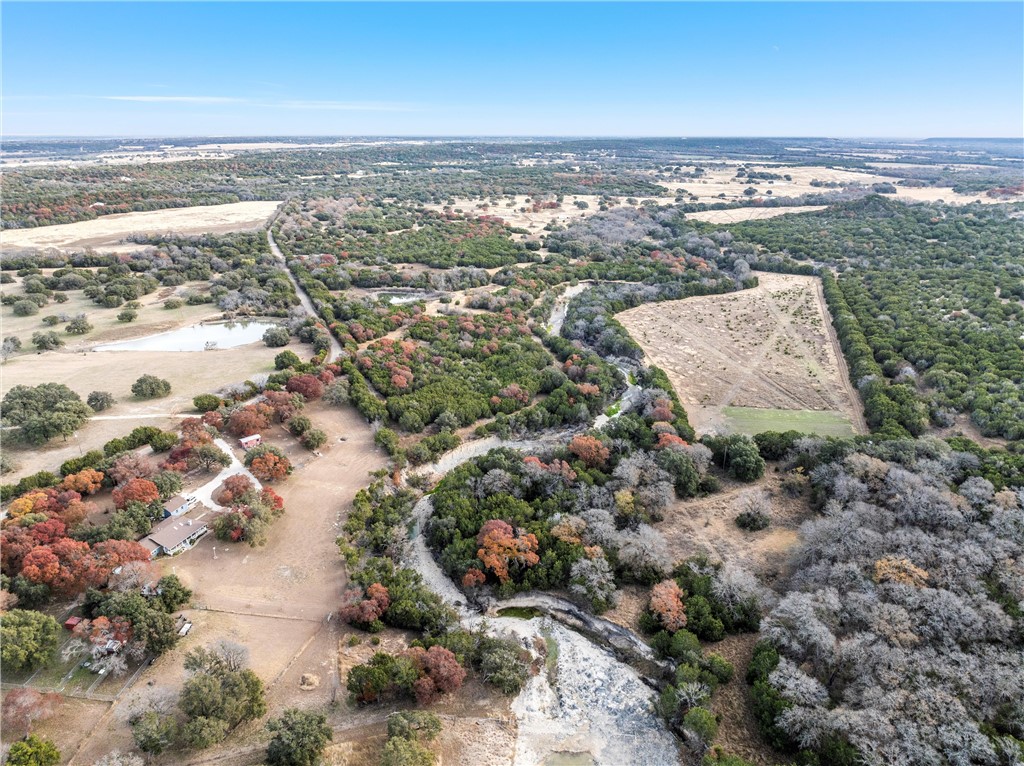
(135, 490)
(667, 605)
(590, 450)
(501, 545)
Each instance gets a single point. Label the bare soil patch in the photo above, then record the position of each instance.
(107, 231)
(767, 347)
(707, 526)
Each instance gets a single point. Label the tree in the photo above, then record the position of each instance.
(207, 457)
(100, 400)
(275, 337)
(9, 347)
(29, 639)
(314, 439)
(172, 594)
(127, 315)
(25, 308)
(44, 411)
(46, 341)
(440, 672)
(407, 733)
(286, 359)
(206, 402)
(299, 424)
(136, 491)
(299, 738)
(590, 450)
(406, 752)
(130, 466)
(248, 420)
(23, 706)
(308, 385)
(153, 732)
(500, 546)
(667, 605)
(268, 463)
(78, 326)
(85, 482)
(202, 732)
(151, 387)
(33, 751)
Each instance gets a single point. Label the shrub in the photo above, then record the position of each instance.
(275, 337)
(100, 400)
(207, 402)
(752, 521)
(701, 722)
(25, 308)
(151, 387)
(314, 439)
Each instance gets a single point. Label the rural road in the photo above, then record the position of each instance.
(304, 298)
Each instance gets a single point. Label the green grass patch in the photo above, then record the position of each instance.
(521, 612)
(755, 420)
(613, 410)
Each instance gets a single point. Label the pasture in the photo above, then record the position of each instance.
(770, 348)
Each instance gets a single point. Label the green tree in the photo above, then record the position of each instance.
(25, 308)
(46, 341)
(29, 639)
(33, 751)
(286, 359)
(203, 732)
(206, 402)
(154, 732)
(314, 439)
(208, 456)
(275, 337)
(406, 752)
(100, 400)
(78, 326)
(299, 738)
(151, 387)
(173, 594)
(127, 315)
(44, 411)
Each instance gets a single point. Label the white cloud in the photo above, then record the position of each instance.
(347, 106)
(177, 99)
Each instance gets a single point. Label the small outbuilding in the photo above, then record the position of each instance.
(71, 623)
(178, 505)
(248, 442)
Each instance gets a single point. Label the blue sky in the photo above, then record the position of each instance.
(687, 69)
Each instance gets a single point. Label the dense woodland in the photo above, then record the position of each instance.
(930, 299)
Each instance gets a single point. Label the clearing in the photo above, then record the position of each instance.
(106, 232)
(771, 348)
(190, 373)
(749, 213)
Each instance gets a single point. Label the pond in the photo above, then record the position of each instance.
(198, 337)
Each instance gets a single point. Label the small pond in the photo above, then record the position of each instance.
(404, 297)
(196, 337)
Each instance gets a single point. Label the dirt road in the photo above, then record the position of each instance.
(304, 298)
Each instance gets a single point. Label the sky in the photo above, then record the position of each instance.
(872, 69)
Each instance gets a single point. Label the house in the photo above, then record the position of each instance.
(174, 535)
(248, 442)
(178, 505)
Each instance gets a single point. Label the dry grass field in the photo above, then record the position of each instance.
(106, 232)
(190, 373)
(769, 348)
(721, 180)
(532, 221)
(749, 213)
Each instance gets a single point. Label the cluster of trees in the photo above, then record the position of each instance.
(928, 300)
(904, 610)
(578, 516)
(219, 694)
(42, 412)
